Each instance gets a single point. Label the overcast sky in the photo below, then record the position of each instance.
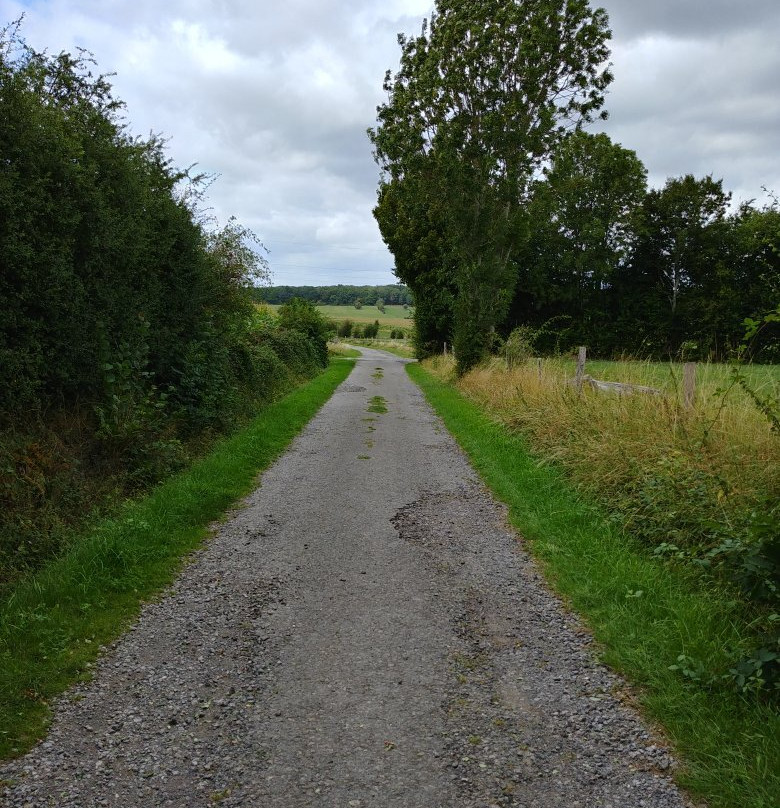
(274, 97)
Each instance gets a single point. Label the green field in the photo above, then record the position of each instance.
(393, 316)
(667, 376)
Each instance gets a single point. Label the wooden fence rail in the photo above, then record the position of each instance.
(581, 379)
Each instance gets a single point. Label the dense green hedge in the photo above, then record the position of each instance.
(104, 270)
(128, 333)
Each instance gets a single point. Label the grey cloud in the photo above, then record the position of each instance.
(688, 18)
(701, 99)
(272, 97)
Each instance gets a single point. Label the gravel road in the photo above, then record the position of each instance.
(365, 632)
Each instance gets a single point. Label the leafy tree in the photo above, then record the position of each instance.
(480, 98)
(238, 252)
(581, 230)
(371, 330)
(380, 304)
(413, 228)
(301, 315)
(754, 294)
(676, 221)
(682, 230)
(339, 295)
(345, 329)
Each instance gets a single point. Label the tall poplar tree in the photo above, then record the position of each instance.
(481, 96)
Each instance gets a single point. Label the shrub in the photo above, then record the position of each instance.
(301, 315)
(518, 347)
(371, 330)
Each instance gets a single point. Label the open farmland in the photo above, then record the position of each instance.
(696, 480)
(392, 317)
(613, 443)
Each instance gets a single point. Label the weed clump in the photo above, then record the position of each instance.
(377, 404)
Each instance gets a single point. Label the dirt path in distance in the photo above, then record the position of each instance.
(366, 633)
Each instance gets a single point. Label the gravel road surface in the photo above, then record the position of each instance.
(366, 632)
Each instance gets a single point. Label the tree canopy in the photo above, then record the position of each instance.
(481, 97)
(501, 211)
(339, 295)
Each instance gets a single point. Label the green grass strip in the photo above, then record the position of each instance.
(52, 625)
(643, 613)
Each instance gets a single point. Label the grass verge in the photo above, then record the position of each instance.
(338, 349)
(644, 613)
(53, 623)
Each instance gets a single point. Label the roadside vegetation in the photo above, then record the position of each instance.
(698, 487)
(341, 350)
(680, 632)
(129, 340)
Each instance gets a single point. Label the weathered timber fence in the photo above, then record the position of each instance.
(581, 379)
(689, 384)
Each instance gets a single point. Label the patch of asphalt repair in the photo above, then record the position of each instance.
(360, 634)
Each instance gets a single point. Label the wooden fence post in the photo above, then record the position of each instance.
(578, 376)
(445, 349)
(689, 384)
(539, 369)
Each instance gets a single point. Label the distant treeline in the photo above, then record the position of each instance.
(393, 295)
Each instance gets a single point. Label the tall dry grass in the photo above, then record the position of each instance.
(679, 477)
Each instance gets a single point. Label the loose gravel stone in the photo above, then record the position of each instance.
(366, 631)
